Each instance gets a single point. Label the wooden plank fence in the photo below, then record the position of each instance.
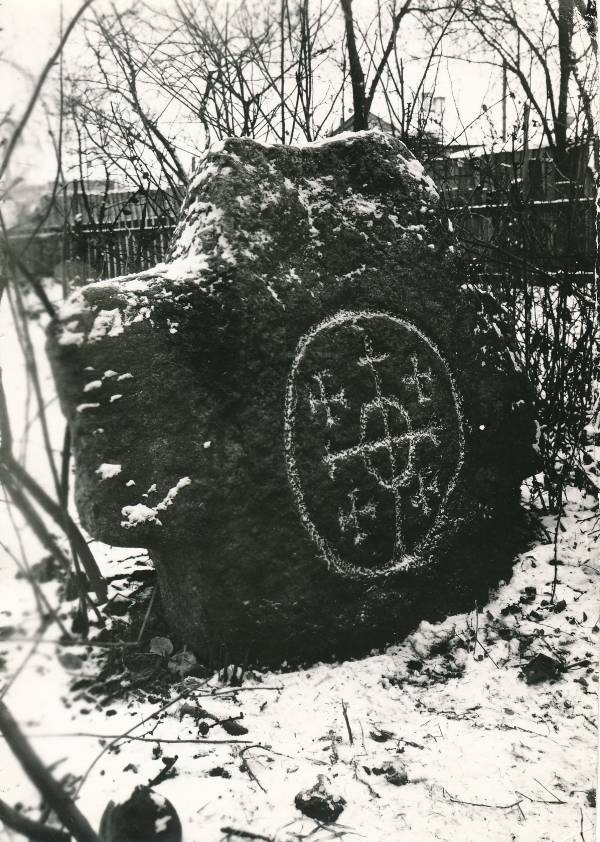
(94, 251)
(557, 235)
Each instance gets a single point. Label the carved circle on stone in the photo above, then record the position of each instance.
(374, 442)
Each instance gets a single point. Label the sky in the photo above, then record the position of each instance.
(30, 32)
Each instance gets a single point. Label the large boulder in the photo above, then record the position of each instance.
(306, 414)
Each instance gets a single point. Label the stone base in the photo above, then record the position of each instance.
(318, 616)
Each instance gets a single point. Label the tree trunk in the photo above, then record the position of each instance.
(357, 77)
(565, 37)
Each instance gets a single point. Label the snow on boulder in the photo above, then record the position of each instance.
(326, 415)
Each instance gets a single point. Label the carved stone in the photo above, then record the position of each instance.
(306, 414)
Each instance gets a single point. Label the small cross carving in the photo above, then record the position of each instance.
(351, 520)
(417, 378)
(428, 487)
(326, 401)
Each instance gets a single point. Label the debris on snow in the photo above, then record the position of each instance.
(319, 802)
(542, 668)
(144, 817)
(442, 719)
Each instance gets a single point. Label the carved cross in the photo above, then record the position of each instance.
(351, 520)
(428, 487)
(417, 378)
(326, 401)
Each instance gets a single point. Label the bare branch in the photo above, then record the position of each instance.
(34, 831)
(54, 795)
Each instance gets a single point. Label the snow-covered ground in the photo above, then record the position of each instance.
(487, 756)
(438, 738)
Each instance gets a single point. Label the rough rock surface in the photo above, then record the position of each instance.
(308, 417)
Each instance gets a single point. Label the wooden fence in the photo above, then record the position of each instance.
(92, 251)
(558, 236)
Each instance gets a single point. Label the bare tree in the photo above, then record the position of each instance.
(362, 96)
(162, 86)
(549, 51)
(535, 255)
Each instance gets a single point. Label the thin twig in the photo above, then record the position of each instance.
(19, 669)
(15, 478)
(556, 800)
(347, 721)
(127, 735)
(147, 615)
(246, 765)
(134, 738)
(481, 804)
(62, 519)
(36, 284)
(245, 834)
(35, 522)
(42, 601)
(555, 552)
